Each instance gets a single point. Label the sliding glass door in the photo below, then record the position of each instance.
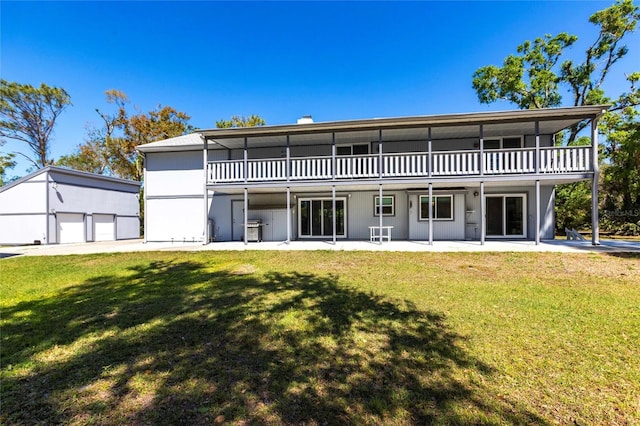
(506, 215)
(315, 217)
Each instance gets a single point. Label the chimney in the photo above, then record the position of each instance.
(306, 119)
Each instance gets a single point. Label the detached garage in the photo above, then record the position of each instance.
(57, 205)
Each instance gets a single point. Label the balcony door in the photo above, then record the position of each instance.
(315, 217)
(506, 215)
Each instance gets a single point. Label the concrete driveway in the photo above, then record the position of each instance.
(559, 246)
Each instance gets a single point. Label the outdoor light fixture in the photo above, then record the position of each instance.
(475, 193)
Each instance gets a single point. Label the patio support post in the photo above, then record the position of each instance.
(483, 213)
(537, 212)
(430, 153)
(595, 227)
(246, 160)
(205, 165)
(537, 130)
(333, 215)
(380, 163)
(288, 215)
(288, 163)
(430, 213)
(380, 210)
(246, 215)
(481, 153)
(380, 156)
(333, 155)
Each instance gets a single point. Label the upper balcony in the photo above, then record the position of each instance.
(437, 164)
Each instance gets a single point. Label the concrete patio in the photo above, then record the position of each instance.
(559, 246)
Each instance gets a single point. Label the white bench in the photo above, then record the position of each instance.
(378, 233)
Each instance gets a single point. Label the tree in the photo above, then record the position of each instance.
(241, 121)
(28, 114)
(532, 78)
(111, 148)
(6, 163)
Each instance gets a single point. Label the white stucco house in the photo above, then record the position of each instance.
(473, 176)
(58, 205)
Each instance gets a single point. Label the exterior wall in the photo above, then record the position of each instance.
(23, 207)
(78, 194)
(174, 193)
(360, 215)
(442, 229)
(174, 219)
(23, 212)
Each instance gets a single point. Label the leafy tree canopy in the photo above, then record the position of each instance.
(241, 121)
(28, 114)
(111, 148)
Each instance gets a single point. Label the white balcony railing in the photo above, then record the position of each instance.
(415, 164)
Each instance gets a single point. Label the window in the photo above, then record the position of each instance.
(503, 143)
(441, 207)
(388, 205)
(355, 149)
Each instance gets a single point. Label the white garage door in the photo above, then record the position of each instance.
(104, 228)
(70, 227)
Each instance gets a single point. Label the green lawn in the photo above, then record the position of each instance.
(321, 338)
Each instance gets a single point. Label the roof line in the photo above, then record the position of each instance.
(64, 170)
(439, 120)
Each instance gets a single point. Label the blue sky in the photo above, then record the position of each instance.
(280, 60)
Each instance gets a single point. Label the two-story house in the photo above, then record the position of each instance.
(476, 176)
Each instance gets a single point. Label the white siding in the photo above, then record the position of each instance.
(127, 227)
(22, 229)
(177, 219)
(174, 173)
(442, 229)
(27, 197)
(360, 215)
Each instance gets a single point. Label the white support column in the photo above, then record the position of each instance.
(333, 202)
(481, 159)
(205, 164)
(430, 153)
(537, 130)
(595, 219)
(288, 215)
(380, 210)
(47, 211)
(430, 213)
(537, 212)
(483, 215)
(288, 165)
(380, 161)
(245, 160)
(144, 204)
(333, 155)
(246, 215)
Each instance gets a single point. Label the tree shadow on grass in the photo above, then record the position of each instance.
(173, 343)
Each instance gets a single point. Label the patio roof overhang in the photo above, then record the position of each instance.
(443, 126)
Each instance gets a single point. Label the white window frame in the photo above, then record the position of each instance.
(525, 215)
(434, 198)
(298, 217)
(376, 201)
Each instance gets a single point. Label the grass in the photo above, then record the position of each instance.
(321, 338)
